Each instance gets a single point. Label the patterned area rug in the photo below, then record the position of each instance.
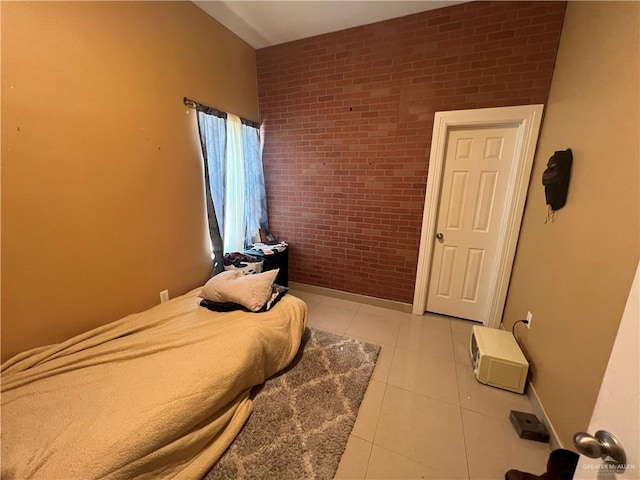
(302, 417)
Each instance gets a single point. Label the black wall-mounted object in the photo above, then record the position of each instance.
(556, 178)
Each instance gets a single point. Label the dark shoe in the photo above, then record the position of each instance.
(561, 465)
(518, 475)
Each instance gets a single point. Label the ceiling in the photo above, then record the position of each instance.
(265, 23)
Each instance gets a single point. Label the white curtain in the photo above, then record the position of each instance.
(235, 187)
(255, 194)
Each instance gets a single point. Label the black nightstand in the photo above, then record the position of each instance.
(272, 261)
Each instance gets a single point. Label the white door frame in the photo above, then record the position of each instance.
(528, 119)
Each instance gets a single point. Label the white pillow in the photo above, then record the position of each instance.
(250, 291)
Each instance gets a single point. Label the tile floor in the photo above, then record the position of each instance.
(424, 415)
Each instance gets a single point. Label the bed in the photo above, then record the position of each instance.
(157, 394)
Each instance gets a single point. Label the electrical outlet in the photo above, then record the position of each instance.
(164, 296)
(529, 319)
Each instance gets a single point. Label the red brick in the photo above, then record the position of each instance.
(348, 120)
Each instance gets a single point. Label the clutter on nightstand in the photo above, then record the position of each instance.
(273, 255)
(241, 261)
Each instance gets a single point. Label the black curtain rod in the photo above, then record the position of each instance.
(214, 111)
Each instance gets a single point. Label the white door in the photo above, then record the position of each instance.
(481, 145)
(473, 205)
(617, 408)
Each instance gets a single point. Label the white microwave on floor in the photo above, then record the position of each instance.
(497, 359)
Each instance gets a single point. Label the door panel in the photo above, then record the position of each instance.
(473, 203)
(456, 200)
(444, 280)
(617, 408)
(485, 202)
(472, 275)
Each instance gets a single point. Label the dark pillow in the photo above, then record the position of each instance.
(278, 291)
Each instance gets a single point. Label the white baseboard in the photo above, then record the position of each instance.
(353, 297)
(539, 411)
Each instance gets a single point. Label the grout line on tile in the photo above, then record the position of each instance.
(366, 470)
(375, 430)
(353, 317)
(464, 440)
(458, 379)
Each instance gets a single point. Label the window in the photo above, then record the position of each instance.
(234, 180)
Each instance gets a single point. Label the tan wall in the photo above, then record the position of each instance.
(574, 274)
(102, 193)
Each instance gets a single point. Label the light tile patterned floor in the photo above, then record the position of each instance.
(424, 415)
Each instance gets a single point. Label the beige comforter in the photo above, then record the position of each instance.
(159, 394)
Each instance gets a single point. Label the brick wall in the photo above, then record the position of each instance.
(348, 119)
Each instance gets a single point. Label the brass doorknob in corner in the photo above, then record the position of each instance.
(439, 236)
